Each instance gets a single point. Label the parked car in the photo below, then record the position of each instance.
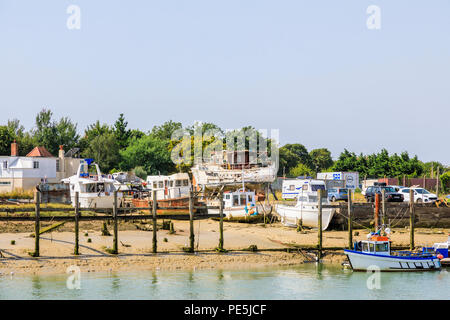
(390, 194)
(398, 188)
(335, 194)
(420, 195)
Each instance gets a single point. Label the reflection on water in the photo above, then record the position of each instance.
(308, 281)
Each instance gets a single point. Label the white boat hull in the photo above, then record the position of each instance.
(307, 213)
(360, 261)
(92, 201)
(231, 212)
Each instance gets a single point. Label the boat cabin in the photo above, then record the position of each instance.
(239, 199)
(375, 245)
(169, 187)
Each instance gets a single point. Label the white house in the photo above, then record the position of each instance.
(38, 166)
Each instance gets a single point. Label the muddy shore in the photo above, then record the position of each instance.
(135, 246)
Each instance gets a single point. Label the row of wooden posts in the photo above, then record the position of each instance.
(376, 217)
(153, 206)
(115, 217)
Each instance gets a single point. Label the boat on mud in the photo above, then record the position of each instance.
(94, 189)
(232, 168)
(305, 211)
(172, 192)
(238, 203)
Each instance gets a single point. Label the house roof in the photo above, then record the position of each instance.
(40, 152)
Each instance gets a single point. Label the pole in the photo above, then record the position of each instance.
(77, 229)
(350, 220)
(221, 220)
(115, 239)
(319, 222)
(377, 210)
(437, 182)
(191, 221)
(411, 218)
(37, 224)
(383, 206)
(155, 227)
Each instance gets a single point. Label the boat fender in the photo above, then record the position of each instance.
(440, 256)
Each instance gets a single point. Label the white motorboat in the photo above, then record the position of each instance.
(94, 190)
(375, 254)
(239, 203)
(306, 209)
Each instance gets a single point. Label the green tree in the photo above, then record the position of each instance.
(291, 155)
(104, 149)
(445, 180)
(24, 139)
(51, 134)
(301, 170)
(45, 131)
(6, 138)
(321, 159)
(121, 132)
(150, 153)
(165, 131)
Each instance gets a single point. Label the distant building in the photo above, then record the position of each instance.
(351, 179)
(38, 166)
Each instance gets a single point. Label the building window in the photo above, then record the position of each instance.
(5, 183)
(35, 164)
(5, 164)
(58, 166)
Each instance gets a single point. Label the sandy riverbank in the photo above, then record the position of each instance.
(135, 247)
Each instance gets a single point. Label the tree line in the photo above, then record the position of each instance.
(119, 148)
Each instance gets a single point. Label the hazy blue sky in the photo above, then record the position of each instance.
(309, 68)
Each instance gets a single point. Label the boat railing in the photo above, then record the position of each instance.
(411, 254)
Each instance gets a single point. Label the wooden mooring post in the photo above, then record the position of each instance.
(155, 226)
(77, 229)
(319, 223)
(221, 221)
(37, 223)
(350, 220)
(377, 211)
(191, 222)
(383, 206)
(411, 219)
(437, 182)
(115, 249)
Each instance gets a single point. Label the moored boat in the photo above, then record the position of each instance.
(306, 209)
(375, 254)
(238, 203)
(94, 190)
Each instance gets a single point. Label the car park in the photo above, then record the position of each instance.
(420, 195)
(390, 194)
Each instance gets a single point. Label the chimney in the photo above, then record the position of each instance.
(14, 149)
(61, 152)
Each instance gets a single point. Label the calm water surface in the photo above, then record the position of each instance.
(308, 281)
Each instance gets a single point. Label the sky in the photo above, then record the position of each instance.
(311, 69)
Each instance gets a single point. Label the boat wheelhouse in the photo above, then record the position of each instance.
(375, 253)
(237, 203)
(169, 187)
(94, 189)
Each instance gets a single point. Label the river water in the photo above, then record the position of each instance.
(307, 281)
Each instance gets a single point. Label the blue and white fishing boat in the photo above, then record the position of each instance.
(375, 253)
